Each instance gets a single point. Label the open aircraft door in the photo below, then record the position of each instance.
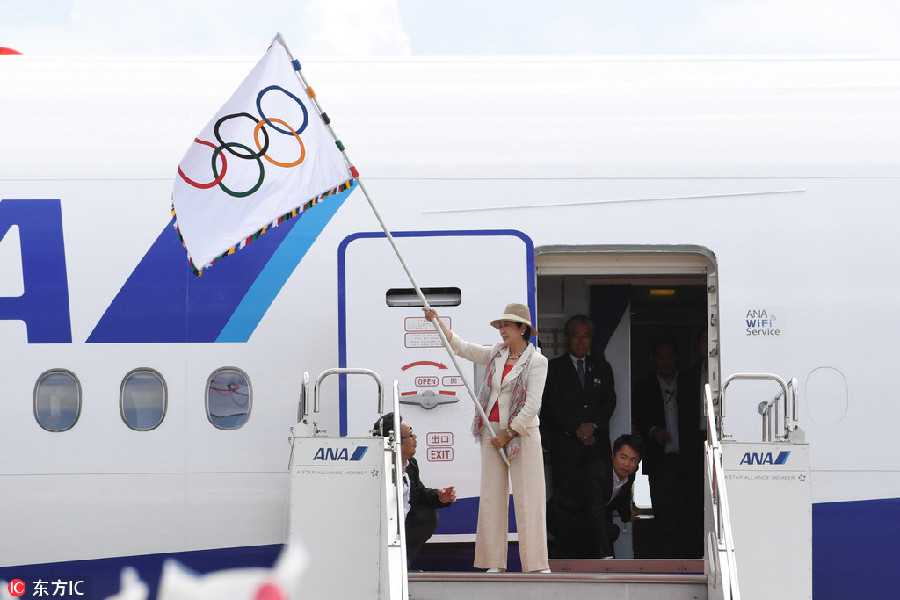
(468, 277)
(633, 294)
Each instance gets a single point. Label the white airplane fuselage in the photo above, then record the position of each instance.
(536, 180)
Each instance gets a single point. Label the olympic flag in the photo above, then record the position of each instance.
(266, 156)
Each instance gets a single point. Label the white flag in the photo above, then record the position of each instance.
(265, 156)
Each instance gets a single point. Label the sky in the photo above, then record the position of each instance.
(444, 27)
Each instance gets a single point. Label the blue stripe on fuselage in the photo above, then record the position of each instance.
(287, 256)
(163, 302)
(855, 549)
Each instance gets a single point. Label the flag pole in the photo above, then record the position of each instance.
(312, 96)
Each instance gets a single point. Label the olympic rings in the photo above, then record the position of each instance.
(262, 149)
(217, 180)
(259, 98)
(262, 170)
(272, 160)
(262, 146)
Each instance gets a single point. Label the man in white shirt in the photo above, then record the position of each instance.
(664, 410)
(626, 456)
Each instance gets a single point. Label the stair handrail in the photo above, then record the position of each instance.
(765, 408)
(716, 473)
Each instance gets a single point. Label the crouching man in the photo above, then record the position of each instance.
(420, 503)
(585, 529)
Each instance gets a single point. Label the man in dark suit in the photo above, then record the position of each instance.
(579, 399)
(420, 503)
(612, 481)
(665, 410)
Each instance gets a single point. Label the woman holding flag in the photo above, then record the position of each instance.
(510, 395)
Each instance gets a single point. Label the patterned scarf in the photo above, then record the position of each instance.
(517, 397)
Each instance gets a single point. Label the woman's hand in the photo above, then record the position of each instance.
(501, 440)
(430, 315)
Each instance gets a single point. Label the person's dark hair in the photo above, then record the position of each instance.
(579, 320)
(663, 340)
(629, 439)
(528, 333)
(384, 425)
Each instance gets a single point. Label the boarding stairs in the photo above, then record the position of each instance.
(621, 579)
(346, 505)
(771, 556)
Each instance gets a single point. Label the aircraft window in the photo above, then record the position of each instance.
(57, 400)
(143, 399)
(228, 398)
(436, 296)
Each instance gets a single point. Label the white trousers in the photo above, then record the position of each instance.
(526, 472)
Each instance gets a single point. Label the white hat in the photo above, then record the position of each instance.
(517, 313)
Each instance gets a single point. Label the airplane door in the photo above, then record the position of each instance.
(468, 277)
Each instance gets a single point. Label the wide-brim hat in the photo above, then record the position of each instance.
(516, 313)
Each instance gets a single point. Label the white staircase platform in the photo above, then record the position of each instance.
(620, 579)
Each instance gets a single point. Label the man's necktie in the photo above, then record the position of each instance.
(580, 370)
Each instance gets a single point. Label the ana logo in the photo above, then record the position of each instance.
(16, 588)
(340, 453)
(762, 322)
(764, 458)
